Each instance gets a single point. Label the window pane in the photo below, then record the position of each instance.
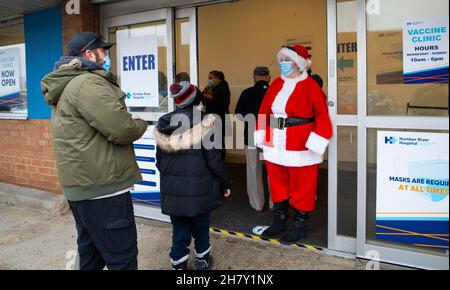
(371, 205)
(388, 93)
(347, 180)
(182, 30)
(347, 57)
(13, 92)
(142, 29)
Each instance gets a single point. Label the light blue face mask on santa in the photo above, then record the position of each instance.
(286, 67)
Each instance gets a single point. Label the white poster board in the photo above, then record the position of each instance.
(10, 77)
(425, 51)
(412, 188)
(146, 194)
(147, 191)
(138, 69)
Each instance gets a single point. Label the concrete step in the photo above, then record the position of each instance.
(33, 199)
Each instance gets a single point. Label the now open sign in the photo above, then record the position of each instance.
(9, 74)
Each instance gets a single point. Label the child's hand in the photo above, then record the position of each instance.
(227, 193)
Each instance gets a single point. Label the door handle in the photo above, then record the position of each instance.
(330, 104)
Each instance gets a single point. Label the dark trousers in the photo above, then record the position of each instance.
(184, 229)
(106, 233)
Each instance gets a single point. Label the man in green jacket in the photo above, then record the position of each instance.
(92, 137)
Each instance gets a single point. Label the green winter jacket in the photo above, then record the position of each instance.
(92, 132)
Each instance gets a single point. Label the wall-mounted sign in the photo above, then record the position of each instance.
(425, 51)
(10, 77)
(138, 66)
(412, 188)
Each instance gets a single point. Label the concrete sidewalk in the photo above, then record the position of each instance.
(35, 240)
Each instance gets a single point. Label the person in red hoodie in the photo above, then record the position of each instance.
(293, 129)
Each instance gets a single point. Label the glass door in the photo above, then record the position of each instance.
(372, 93)
(127, 30)
(342, 101)
(152, 40)
(402, 121)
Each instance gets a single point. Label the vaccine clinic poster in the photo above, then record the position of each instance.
(425, 51)
(412, 188)
(9, 77)
(138, 66)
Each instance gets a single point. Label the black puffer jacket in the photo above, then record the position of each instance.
(193, 181)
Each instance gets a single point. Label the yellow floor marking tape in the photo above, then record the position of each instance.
(258, 238)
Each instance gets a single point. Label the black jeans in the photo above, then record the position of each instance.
(106, 233)
(184, 229)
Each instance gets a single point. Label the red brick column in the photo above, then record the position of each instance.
(26, 155)
(87, 20)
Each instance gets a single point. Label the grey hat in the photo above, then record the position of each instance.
(261, 71)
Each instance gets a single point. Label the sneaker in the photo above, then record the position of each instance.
(181, 266)
(205, 263)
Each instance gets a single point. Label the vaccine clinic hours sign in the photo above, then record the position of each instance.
(138, 66)
(425, 51)
(9, 77)
(412, 188)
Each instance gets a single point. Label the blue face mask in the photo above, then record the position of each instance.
(211, 83)
(107, 65)
(286, 67)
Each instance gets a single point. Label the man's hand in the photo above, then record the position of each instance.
(136, 117)
(227, 193)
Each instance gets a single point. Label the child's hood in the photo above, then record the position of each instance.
(174, 138)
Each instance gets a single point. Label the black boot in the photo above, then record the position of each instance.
(300, 227)
(280, 217)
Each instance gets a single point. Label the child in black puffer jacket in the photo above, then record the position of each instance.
(194, 180)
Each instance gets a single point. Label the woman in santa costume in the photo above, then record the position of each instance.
(293, 130)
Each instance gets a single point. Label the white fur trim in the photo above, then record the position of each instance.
(184, 141)
(74, 64)
(317, 143)
(302, 63)
(292, 158)
(279, 138)
(281, 99)
(259, 137)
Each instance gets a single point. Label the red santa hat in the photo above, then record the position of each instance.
(298, 53)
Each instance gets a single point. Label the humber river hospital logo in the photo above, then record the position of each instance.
(390, 140)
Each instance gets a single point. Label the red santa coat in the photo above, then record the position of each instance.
(295, 146)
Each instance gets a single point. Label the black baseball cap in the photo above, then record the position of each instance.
(83, 41)
(261, 71)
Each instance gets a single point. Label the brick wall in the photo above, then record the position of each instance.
(26, 154)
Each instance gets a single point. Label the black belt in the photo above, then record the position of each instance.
(283, 123)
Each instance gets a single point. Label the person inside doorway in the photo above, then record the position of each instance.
(250, 103)
(316, 77)
(182, 77)
(216, 99)
(293, 129)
